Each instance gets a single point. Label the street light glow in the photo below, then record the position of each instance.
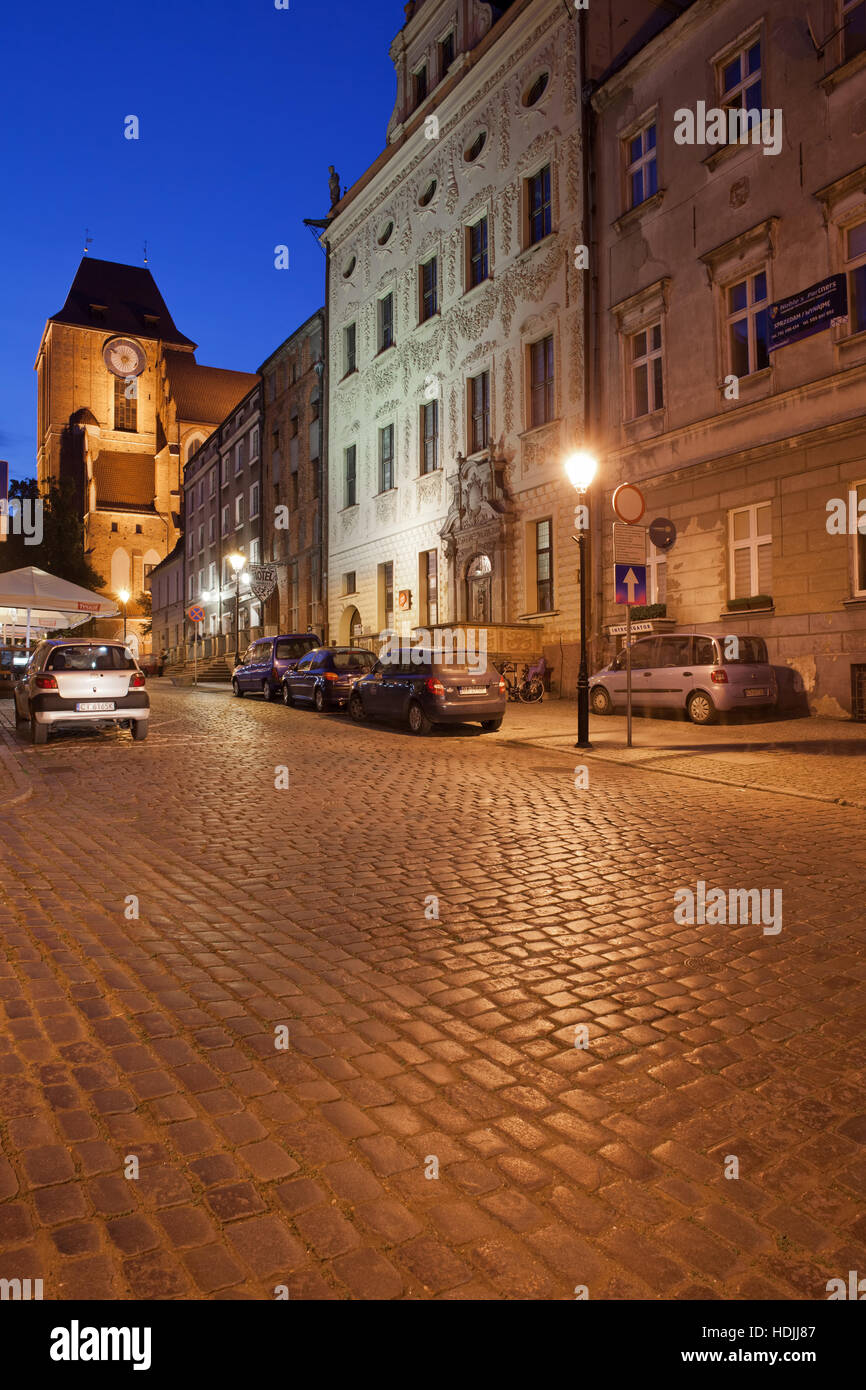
(237, 562)
(123, 595)
(581, 468)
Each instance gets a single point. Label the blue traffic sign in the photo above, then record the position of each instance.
(630, 583)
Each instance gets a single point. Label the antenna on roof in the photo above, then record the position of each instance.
(87, 239)
(145, 253)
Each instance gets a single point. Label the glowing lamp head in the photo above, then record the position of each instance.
(581, 468)
(237, 562)
(123, 595)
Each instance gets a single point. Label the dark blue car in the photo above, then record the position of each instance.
(266, 663)
(326, 677)
(426, 689)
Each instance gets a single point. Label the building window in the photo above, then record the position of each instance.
(472, 151)
(225, 527)
(739, 85)
(386, 593)
(211, 529)
(859, 540)
(114, 525)
(751, 550)
(349, 583)
(537, 89)
(239, 510)
(254, 443)
(541, 381)
(224, 470)
(314, 406)
(641, 168)
(747, 325)
(239, 456)
(293, 424)
(477, 263)
(420, 84)
(200, 536)
(544, 565)
(854, 21)
(386, 458)
(126, 404)
(386, 322)
(350, 361)
(211, 576)
(254, 500)
(430, 437)
(430, 581)
(212, 485)
(349, 466)
(538, 206)
(855, 265)
(479, 408)
(446, 53)
(429, 289)
(254, 551)
(656, 575)
(647, 388)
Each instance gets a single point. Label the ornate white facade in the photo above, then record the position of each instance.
(419, 201)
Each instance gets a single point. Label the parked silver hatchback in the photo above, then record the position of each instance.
(78, 681)
(703, 675)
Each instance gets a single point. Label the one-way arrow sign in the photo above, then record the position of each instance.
(630, 584)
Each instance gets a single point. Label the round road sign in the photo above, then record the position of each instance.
(629, 503)
(662, 533)
(196, 613)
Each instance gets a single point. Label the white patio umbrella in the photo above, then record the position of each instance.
(49, 602)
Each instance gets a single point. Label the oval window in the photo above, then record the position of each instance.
(428, 195)
(472, 151)
(537, 89)
(349, 267)
(385, 233)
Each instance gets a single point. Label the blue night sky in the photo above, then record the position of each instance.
(242, 107)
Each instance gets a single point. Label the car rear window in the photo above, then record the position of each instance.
(745, 649)
(90, 659)
(290, 648)
(354, 661)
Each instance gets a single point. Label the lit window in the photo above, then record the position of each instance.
(544, 565)
(386, 458)
(751, 550)
(350, 460)
(641, 167)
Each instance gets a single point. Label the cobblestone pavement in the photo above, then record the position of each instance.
(412, 1039)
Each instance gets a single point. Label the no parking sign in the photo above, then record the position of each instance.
(196, 613)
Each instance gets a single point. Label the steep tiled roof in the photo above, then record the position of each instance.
(124, 482)
(120, 299)
(206, 394)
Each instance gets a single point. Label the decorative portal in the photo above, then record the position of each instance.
(479, 584)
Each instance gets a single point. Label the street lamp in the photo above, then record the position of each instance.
(580, 469)
(237, 563)
(123, 595)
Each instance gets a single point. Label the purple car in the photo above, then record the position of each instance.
(267, 662)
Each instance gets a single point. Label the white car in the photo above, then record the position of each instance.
(81, 681)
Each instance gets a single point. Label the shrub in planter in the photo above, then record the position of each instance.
(642, 611)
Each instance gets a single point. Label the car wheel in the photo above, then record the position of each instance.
(418, 721)
(599, 700)
(266, 691)
(139, 729)
(319, 700)
(287, 695)
(38, 732)
(236, 690)
(701, 709)
(491, 725)
(356, 709)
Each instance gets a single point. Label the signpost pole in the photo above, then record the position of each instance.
(195, 655)
(628, 674)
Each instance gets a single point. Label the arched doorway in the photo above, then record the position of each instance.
(479, 586)
(350, 620)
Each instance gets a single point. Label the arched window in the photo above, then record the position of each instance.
(120, 570)
(192, 445)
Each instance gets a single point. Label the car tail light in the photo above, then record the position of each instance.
(331, 676)
(46, 683)
(138, 680)
(503, 686)
(435, 687)
(720, 677)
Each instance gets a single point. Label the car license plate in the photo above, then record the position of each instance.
(757, 691)
(94, 706)
(473, 690)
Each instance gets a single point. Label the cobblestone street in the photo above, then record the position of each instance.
(413, 1038)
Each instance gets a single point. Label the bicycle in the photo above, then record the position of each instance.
(529, 685)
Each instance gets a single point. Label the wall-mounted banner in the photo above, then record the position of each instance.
(810, 311)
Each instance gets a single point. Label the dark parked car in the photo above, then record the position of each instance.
(267, 661)
(428, 690)
(326, 677)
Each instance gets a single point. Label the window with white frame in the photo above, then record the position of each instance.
(192, 593)
(224, 469)
(641, 165)
(738, 80)
(226, 521)
(386, 322)
(750, 543)
(645, 364)
(855, 268)
(350, 494)
(254, 443)
(746, 306)
(542, 408)
(212, 485)
(239, 509)
(859, 540)
(211, 529)
(254, 551)
(201, 538)
(656, 575)
(350, 359)
(212, 575)
(254, 500)
(854, 28)
(239, 456)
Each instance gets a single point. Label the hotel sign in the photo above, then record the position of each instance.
(810, 311)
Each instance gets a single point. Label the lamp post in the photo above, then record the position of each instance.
(237, 563)
(123, 595)
(580, 469)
